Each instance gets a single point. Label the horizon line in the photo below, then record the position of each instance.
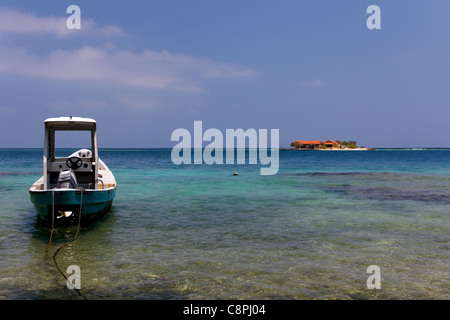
(280, 148)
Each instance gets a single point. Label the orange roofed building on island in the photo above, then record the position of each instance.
(331, 144)
(315, 144)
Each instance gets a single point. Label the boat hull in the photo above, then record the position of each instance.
(91, 204)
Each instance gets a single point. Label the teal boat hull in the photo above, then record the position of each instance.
(91, 204)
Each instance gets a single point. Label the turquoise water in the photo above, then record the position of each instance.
(198, 232)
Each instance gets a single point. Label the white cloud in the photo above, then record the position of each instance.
(106, 64)
(16, 22)
(148, 69)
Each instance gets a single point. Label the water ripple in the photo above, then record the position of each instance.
(390, 193)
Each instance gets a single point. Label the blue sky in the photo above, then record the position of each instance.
(311, 69)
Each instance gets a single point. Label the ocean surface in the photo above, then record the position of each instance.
(198, 232)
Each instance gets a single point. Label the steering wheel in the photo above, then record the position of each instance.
(74, 162)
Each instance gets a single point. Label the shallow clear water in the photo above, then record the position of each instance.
(198, 232)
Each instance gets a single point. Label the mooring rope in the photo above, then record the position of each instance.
(53, 218)
(78, 230)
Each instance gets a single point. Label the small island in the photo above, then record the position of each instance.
(326, 145)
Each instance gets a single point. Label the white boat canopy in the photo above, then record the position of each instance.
(53, 165)
(70, 123)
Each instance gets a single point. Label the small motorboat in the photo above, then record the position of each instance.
(78, 188)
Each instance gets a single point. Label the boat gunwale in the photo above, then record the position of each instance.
(66, 189)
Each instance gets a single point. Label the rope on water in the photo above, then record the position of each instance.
(53, 218)
(78, 230)
(79, 214)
